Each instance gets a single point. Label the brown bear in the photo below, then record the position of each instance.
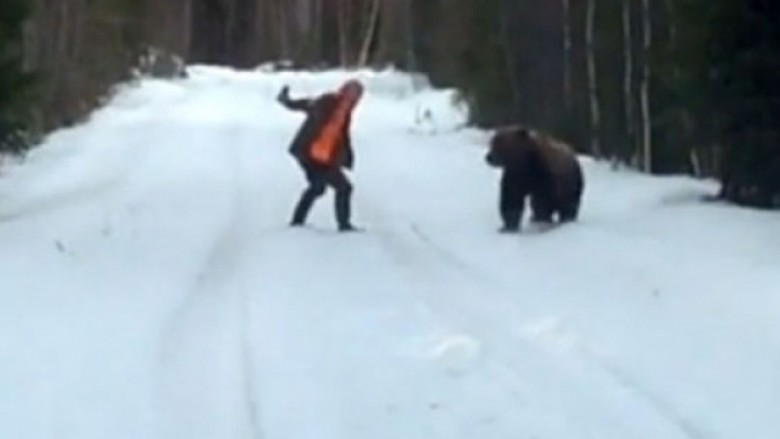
(538, 166)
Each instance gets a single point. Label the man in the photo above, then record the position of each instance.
(323, 147)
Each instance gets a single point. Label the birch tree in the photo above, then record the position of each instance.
(370, 35)
(593, 98)
(567, 53)
(647, 129)
(628, 76)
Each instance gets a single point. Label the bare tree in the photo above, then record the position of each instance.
(628, 78)
(370, 34)
(567, 54)
(593, 98)
(647, 129)
(395, 32)
(508, 49)
(343, 27)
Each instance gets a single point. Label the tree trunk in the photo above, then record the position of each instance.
(283, 26)
(647, 129)
(317, 33)
(229, 31)
(370, 35)
(686, 119)
(628, 78)
(595, 113)
(395, 34)
(187, 36)
(509, 56)
(695, 163)
(567, 54)
(343, 29)
(411, 57)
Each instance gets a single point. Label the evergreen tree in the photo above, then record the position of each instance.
(738, 85)
(480, 60)
(15, 83)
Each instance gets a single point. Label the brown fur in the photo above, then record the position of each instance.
(538, 166)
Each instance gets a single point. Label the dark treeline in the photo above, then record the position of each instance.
(666, 86)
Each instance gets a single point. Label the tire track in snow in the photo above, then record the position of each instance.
(475, 298)
(249, 368)
(214, 316)
(624, 379)
(578, 348)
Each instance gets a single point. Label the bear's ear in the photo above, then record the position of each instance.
(522, 133)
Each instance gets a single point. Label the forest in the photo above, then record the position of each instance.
(663, 86)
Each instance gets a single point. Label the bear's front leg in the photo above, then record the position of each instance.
(512, 202)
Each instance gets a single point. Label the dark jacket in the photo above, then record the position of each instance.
(318, 112)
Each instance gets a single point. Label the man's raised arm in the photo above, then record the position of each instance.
(293, 104)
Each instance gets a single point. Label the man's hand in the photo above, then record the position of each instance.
(293, 104)
(284, 94)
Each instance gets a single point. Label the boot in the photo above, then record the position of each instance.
(343, 211)
(303, 207)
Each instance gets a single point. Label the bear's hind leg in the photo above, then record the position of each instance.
(542, 209)
(569, 213)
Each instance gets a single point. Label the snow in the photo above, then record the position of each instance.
(149, 286)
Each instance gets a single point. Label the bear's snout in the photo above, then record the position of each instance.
(491, 159)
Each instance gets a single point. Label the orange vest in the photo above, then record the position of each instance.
(325, 145)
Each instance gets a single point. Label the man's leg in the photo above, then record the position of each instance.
(316, 179)
(335, 178)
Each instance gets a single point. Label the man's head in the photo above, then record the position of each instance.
(352, 90)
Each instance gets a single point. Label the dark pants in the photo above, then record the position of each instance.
(319, 178)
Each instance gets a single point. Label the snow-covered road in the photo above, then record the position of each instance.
(149, 286)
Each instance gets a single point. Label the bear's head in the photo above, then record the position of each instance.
(510, 147)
